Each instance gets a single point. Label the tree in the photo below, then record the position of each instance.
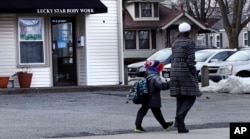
(201, 10)
(204, 9)
(233, 27)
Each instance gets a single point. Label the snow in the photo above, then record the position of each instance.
(232, 85)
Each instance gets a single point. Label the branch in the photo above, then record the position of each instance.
(224, 14)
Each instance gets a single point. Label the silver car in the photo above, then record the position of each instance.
(203, 57)
(238, 64)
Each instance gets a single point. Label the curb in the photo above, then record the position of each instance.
(6, 91)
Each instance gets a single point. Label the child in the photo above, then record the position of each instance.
(155, 84)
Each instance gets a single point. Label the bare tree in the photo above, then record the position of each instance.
(233, 27)
(201, 10)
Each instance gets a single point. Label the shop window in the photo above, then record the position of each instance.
(31, 41)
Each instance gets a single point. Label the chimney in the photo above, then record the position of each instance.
(181, 6)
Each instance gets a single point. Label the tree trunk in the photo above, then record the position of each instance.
(233, 41)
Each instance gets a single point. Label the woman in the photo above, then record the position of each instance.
(184, 80)
(155, 84)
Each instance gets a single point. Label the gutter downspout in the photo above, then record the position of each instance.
(120, 42)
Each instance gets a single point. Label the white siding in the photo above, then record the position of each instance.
(41, 77)
(7, 45)
(81, 52)
(8, 54)
(102, 46)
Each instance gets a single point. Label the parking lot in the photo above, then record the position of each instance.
(52, 115)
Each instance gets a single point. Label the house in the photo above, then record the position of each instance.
(62, 42)
(220, 39)
(152, 25)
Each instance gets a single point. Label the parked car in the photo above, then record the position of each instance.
(238, 64)
(164, 55)
(138, 70)
(203, 57)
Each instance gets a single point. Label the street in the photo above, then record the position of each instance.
(58, 115)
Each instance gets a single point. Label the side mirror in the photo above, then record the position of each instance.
(214, 60)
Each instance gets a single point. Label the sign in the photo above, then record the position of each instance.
(64, 11)
(239, 130)
(52, 6)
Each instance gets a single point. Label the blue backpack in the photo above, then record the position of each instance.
(139, 92)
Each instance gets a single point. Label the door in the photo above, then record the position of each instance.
(63, 51)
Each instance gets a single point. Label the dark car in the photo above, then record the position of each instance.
(138, 70)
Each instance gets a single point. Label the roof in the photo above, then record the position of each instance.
(219, 24)
(165, 15)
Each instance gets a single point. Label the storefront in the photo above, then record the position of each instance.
(62, 42)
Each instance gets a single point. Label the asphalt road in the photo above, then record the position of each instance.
(54, 115)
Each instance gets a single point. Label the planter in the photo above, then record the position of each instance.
(24, 79)
(4, 80)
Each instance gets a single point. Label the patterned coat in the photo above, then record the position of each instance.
(183, 75)
(155, 87)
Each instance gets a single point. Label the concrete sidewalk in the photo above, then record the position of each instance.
(213, 133)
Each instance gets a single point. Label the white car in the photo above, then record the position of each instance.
(203, 57)
(238, 64)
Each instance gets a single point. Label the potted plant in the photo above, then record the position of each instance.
(4, 80)
(24, 78)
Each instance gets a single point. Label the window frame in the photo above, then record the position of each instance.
(130, 40)
(144, 9)
(142, 40)
(154, 10)
(245, 39)
(42, 41)
(137, 39)
(218, 40)
(211, 40)
(201, 40)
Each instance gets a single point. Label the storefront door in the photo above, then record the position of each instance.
(63, 51)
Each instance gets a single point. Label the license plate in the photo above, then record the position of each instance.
(166, 75)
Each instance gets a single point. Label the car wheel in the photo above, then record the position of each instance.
(243, 74)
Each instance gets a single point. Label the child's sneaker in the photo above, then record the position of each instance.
(139, 130)
(169, 125)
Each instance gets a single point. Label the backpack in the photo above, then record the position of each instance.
(139, 91)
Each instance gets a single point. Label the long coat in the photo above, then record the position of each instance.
(183, 75)
(155, 86)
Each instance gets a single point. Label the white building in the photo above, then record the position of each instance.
(62, 42)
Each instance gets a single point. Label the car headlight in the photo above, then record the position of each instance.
(142, 69)
(167, 69)
(225, 69)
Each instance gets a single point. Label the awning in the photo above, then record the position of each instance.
(52, 6)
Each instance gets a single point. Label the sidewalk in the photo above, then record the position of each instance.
(213, 133)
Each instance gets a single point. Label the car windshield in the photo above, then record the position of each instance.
(242, 55)
(161, 55)
(202, 56)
